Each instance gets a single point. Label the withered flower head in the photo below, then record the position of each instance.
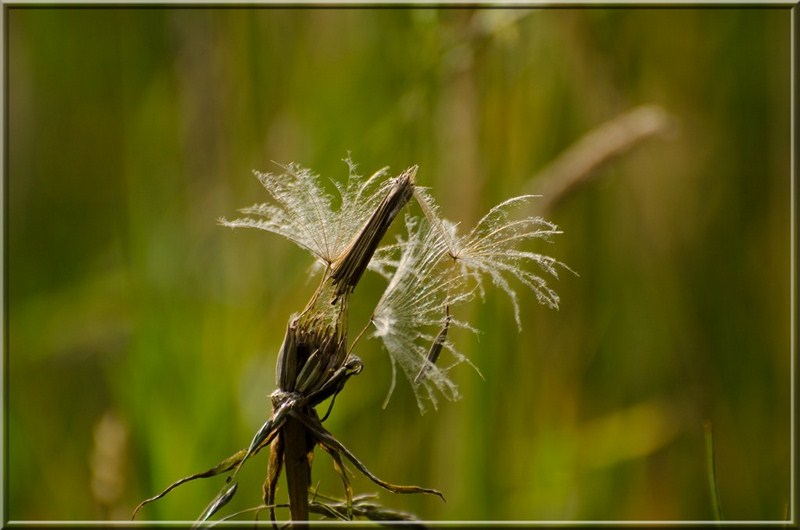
(429, 272)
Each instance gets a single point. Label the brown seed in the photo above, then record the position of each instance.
(436, 349)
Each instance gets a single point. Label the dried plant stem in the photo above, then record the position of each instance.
(297, 458)
(578, 164)
(314, 361)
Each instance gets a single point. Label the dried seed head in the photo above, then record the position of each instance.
(434, 268)
(312, 352)
(430, 271)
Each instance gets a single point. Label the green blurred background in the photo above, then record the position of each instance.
(142, 336)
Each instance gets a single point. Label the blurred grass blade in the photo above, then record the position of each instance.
(579, 164)
(711, 470)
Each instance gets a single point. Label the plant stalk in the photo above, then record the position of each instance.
(297, 459)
